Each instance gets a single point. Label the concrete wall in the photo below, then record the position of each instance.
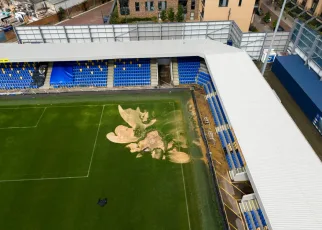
(242, 15)
(50, 20)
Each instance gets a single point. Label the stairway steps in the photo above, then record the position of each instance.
(154, 72)
(110, 74)
(48, 76)
(175, 72)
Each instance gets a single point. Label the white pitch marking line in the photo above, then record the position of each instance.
(22, 127)
(94, 146)
(40, 179)
(40, 117)
(183, 179)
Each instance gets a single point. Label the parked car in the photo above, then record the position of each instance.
(279, 29)
(6, 28)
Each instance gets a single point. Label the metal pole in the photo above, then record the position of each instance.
(275, 31)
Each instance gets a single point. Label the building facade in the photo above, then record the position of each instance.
(240, 11)
(313, 6)
(195, 10)
(153, 8)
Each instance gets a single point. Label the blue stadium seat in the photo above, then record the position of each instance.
(82, 74)
(248, 221)
(188, 68)
(17, 75)
(132, 72)
(261, 216)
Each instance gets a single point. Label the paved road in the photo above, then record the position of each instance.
(91, 17)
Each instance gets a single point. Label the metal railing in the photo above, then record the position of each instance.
(221, 31)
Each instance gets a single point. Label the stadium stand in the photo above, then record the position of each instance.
(253, 215)
(18, 76)
(132, 72)
(188, 68)
(192, 70)
(79, 74)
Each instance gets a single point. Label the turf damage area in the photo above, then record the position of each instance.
(53, 172)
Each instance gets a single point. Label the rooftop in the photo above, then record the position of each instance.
(283, 168)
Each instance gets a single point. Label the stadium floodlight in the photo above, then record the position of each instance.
(275, 31)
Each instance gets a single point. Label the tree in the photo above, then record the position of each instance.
(180, 15)
(274, 23)
(267, 17)
(114, 17)
(163, 15)
(171, 15)
(61, 14)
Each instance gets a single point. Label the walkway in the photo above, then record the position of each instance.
(91, 17)
(286, 22)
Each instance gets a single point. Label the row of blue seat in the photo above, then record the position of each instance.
(17, 75)
(251, 217)
(132, 72)
(72, 85)
(233, 159)
(138, 83)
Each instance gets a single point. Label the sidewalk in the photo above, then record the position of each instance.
(262, 27)
(286, 22)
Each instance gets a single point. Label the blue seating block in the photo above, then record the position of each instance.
(261, 216)
(230, 165)
(248, 221)
(254, 218)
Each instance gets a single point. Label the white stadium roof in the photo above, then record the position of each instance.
(283, 168)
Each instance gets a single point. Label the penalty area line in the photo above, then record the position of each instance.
(183, 179)
(94, 146)
(41, 179)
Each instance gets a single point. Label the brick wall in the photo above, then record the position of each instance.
(170, 4)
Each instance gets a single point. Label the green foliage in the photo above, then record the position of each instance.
(114, 18)
(267, 17)
(180, 15)
(61, 14)
(171, 15)
(274, 23)
(134, 20)
(163, 15)
(252, 28)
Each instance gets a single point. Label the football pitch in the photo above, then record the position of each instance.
(61, 154)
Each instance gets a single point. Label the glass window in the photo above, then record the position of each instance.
(162, 5)
(137, 6)
(149, 6)
(193, 4)
(240, 2)
(192, 16)
(124, 7)
(223, 3)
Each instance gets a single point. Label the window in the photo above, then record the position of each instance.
(240, 2)
(124, 7)
(162, 5)
(193, 4)
(314, 5)
(149, 6)
(183, 3)
(223, 3)
(192, 16)
(137, 6)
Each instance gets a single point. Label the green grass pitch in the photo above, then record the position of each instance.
(56, 162)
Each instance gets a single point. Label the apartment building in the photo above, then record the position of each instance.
(195, 10)
(240, 11)
(153, 8)
(313, 6)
